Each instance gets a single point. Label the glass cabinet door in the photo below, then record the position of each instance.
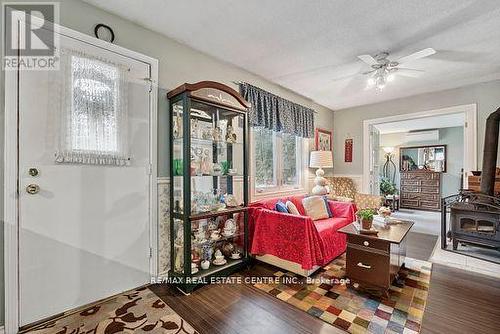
(217, 155)
(177, 157)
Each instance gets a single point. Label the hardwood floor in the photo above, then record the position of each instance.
(459, 302)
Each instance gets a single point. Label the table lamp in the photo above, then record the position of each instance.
(320, 160)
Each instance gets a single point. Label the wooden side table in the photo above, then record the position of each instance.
(373, 261)
(392, 203)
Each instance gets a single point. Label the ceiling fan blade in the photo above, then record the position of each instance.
(408, 72)
(368, 72)
(368, 59)
(417, 55)
(409, 69)
(346, 76)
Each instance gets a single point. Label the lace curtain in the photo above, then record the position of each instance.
(275, 113)
(93, 109)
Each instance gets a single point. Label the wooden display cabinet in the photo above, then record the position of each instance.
(209, 182)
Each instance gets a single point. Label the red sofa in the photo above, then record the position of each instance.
(298, 239)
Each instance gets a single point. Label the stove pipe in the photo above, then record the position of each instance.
(490, 151)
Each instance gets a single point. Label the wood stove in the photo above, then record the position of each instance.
(475, 216)
(475, 219)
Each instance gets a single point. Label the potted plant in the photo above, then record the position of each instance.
(387, 187)
(366, 216)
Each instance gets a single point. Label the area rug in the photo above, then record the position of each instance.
(353, 310)
(136, 311)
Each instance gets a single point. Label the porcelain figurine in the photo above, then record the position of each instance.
(215, 235)
(227, 249)
(195, 256)
(177, 128)
(217, 134)
(235, 254)
(230, 135)
(179, 258)
(213, 225)
(179, 237)
(230, 200)
(194, 128)
(217, 169)
(206, 251)
(219, 258)
(205, 264)
(205, 163)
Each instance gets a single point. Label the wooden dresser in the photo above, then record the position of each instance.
(373, 261)
(421, 190)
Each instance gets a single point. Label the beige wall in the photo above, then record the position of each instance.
(349, 122)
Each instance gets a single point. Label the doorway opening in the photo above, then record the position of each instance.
(398, 150)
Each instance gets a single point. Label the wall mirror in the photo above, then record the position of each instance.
(431, 158)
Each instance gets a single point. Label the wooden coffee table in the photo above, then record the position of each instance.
(373, 261)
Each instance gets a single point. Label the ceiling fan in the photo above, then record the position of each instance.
(383, 69)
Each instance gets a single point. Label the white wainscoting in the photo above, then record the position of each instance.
(163, 185)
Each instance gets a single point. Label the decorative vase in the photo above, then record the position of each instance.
(366, 224)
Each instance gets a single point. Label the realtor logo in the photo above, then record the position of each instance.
(30, 41)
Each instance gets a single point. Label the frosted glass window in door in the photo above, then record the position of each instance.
(94, 111)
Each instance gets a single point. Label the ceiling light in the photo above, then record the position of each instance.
(371, 82)
(380, 82)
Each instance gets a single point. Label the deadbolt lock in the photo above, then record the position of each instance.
(33, 172)
(32, 189)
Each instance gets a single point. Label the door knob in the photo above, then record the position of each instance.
(32, 189)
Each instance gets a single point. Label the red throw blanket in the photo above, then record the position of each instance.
(298, 238)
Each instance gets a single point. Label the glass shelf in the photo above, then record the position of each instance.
(221, 239)
(214, 268)
(209, 214)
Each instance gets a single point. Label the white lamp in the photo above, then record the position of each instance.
(320, 160)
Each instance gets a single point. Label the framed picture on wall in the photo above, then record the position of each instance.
(348, 150)
(323, 140)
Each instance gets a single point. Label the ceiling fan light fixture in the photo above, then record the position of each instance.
(370, 82)
(382, 70)
(380, 82)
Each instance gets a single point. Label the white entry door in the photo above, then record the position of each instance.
(84, 180)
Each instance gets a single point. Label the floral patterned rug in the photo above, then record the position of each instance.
(136, 311)
(353, 310)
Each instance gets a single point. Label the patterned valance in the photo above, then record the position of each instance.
(277, 114)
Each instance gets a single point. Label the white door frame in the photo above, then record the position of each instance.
(11, 222)
(470, 135)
